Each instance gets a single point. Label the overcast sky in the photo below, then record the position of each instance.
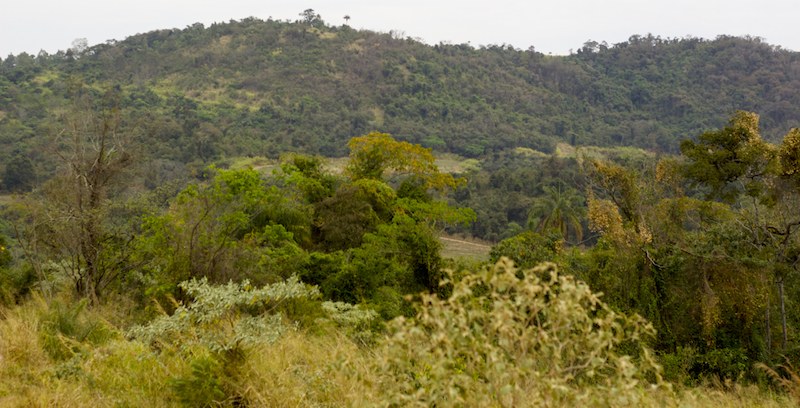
(554, 26)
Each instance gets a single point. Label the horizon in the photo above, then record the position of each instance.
(556, 29)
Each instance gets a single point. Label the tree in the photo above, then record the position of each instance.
(758, 180)
(730, 161)
(311, 18)
(19, 174)
(231, 228)
(560, 209)
(375, 154)
(74, 219)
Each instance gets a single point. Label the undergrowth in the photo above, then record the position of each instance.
(503, 337)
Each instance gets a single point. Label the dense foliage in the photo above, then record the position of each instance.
(255, 87)
(169, 220)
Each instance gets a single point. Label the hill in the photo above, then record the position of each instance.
(254, 87)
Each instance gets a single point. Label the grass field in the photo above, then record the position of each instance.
(460, 248)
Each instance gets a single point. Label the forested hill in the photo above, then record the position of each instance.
(266, 87)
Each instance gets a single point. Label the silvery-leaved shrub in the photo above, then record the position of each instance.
(213, 332)
(360, 324)
(224, 317)
(508, 337)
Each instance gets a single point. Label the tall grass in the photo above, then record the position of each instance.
(503, 338)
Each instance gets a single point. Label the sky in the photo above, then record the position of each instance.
(554, 26)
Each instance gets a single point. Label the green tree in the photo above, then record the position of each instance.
(312, 18)
(730, 161)
(757, 179)
(19, 174)
(561, 209)
(232, 228)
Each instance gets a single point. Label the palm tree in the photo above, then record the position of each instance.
(560, 209)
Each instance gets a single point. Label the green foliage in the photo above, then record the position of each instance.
(234, 228)
(528, 249)
(255, 87)
(725, 363)
(507, 337)
(504, 190)
(307, 174)
(362, 325)
(19, 174)
(344, 218)
(718, 279)
(678, 365)
(14, 281)
(789, 155)
(560, 209)
(205, 385)
(68, 329)
(734, 154)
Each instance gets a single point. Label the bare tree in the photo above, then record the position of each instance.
(71, 211)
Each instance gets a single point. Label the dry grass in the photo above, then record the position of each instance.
(456, 248)
(455, 164)
(735, 397)
(325, 369)
(786, 376)
(307, 371)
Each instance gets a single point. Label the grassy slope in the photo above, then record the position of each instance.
(301, 370)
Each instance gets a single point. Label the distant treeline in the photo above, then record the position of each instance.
(254, 87)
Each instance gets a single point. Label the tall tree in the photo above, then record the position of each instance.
(74, 212)
(735, 165)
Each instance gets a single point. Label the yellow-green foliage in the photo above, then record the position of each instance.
(505, 337)
(786, 376)
(308, 371)
(372, 155)
(23, 360)
(508, 337)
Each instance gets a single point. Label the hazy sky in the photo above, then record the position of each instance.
(554, 26)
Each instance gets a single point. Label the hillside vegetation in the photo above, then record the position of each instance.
(608, 228)
(255, 87)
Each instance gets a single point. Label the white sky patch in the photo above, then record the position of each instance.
(555, 26)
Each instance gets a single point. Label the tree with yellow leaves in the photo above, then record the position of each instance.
(375, 154)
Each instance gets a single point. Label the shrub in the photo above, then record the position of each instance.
(213, 331)
(678, 365)
(224, 317)
(68, 329)
(514, 338)
(360, 324)
(528, 249)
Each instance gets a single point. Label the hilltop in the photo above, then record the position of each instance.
(254, 87)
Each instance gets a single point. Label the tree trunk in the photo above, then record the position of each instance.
(783, 314)
(768, 334)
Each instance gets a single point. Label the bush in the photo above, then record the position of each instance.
(528, 249)
(223, 318)
(68, 329)
(678, 365)
(214, 331)
(531, 337)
